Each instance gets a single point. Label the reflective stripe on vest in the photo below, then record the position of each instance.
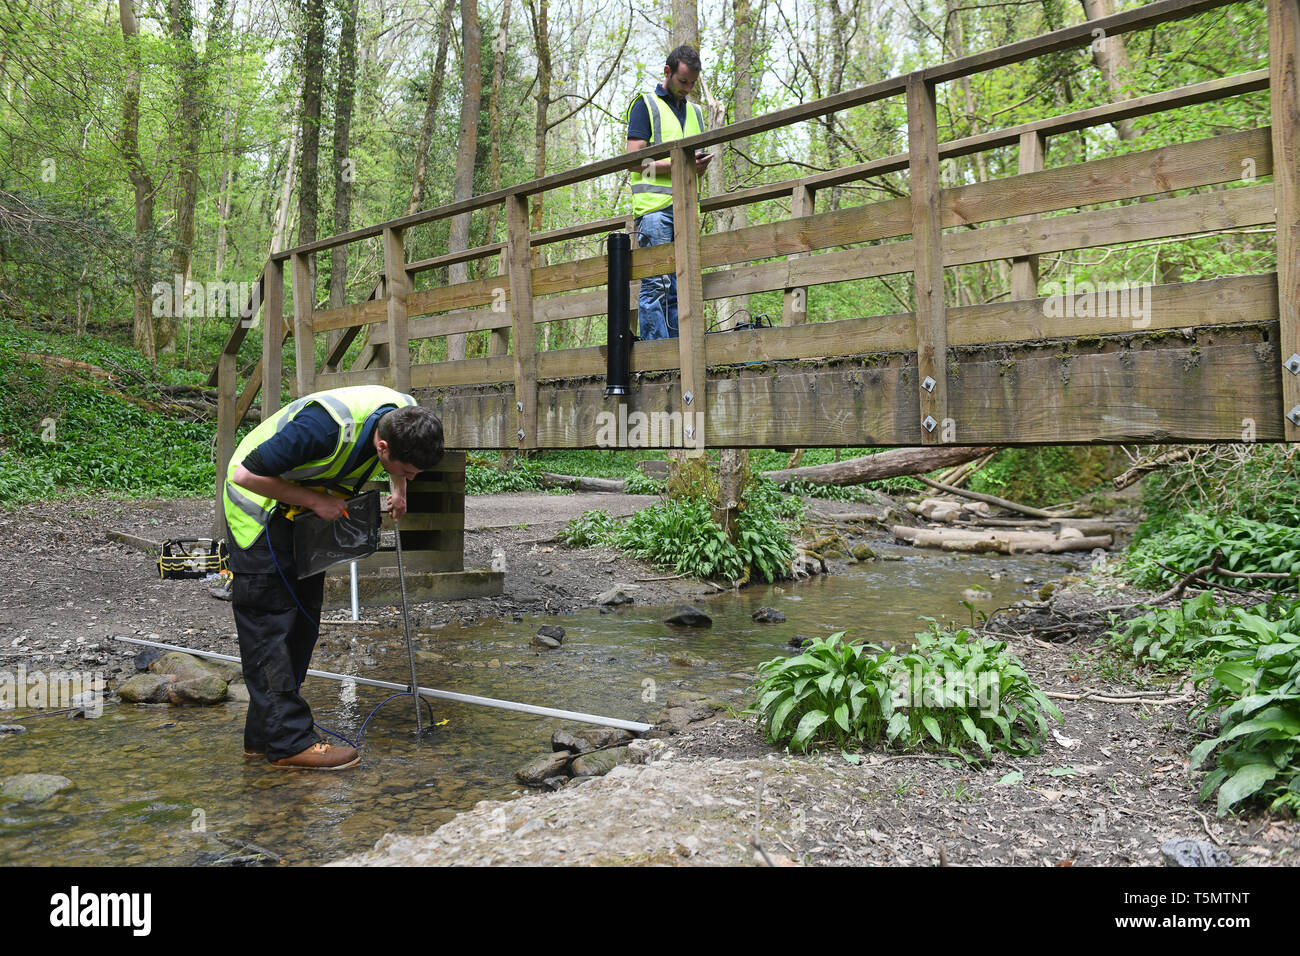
(648, 192)
(248, 512)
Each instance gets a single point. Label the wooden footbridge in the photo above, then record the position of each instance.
(1203, 361)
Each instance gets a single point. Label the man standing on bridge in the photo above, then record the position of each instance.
(309, 456)
(655, 118)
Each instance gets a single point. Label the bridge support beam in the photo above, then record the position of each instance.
(927, 244)
(690, 295)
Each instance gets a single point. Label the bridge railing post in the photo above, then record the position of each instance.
(395, 288)
(690, 296)
(927, 242)
(795, 312)
(1283, 51)
(1024, 270)
(304, 339)
(521, 319)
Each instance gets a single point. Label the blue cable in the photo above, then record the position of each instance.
(293, 594)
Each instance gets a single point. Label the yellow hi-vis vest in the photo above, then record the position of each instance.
(247, 513)
(649, 193)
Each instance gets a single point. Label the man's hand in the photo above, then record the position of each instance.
(328, 507)
(397, 504)
(702, 163)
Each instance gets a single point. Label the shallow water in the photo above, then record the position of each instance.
(166, 785)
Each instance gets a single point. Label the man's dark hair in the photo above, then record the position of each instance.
(414, 436)
(684, 54)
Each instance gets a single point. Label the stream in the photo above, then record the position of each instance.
(154, 784)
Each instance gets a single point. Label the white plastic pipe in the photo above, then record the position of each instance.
(356, 608)
(631, 725)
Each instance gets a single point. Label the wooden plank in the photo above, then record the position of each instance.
(140, 544)
(450, 258)
(454, 521)
(1024, 269)
(450, 487)
(415, 561)
(1283, 44)
(690, 296)
(1210, 302)
(521, 315)
(274, 333)
(1184, 215)
(304, 342)
(355, 313)
(927, 249)
(795, 305)
(395, 292)
(1150, 172)
(1144, 388)
(227, 423)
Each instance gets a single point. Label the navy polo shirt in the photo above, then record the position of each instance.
(638, 123)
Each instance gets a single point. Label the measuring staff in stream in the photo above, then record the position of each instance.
(310, 456)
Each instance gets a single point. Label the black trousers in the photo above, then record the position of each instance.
(276, 640)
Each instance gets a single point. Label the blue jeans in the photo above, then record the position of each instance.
(657, 303)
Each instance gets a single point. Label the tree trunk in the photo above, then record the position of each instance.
(141, 184)
(431, 102)
(180, 21)
(280, 228)
(888, 464)
(1112, 60)
(542, 38)
(343, 165)
(313, 64)
(733, 463)
(686, 23)
(494, 119)
(471, 43)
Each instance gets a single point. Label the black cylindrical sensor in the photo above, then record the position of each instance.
(618, 362)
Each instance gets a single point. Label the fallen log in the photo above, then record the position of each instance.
(888, 464)
(1003, 542)
(991, 499)
(580, 483)
(1086, 525)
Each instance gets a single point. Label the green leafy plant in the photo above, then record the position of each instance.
(1173, 639)
(1248, 546)
(1255, 691)
(681, 533)
(952, 691)
(639, 483)
(592, 529)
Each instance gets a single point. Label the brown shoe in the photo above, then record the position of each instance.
(321, 756)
